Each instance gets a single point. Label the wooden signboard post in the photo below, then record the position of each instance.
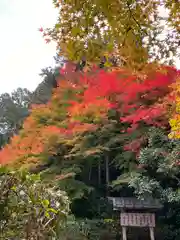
(138, 220)
(134, 219)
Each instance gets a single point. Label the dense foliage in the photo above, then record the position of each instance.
(158, 176)
(30, 209)
(43, 92)
(13, 109)
(131, 31)
(82, 104)
(175, 120)
(158, 172)
(97, 126)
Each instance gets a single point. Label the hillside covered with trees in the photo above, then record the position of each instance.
(104, 123)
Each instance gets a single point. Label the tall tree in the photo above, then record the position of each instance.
(156, 174)
(13, 109)
(133, 31)
(44, 90)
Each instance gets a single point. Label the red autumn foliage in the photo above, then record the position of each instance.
(81, 102)
(130, 97)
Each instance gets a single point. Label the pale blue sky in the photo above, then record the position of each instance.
(23, 51)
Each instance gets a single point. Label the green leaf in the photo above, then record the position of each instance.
(75, 31)
(47, 215)
(52, 210)
(35, 177)
(57, 26)
(14, 188)
(108, 220)
(45, 203)
(3, 169)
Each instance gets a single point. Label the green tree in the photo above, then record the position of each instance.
(13, 109)
(43, 91)
(132, 31)
(157, 175)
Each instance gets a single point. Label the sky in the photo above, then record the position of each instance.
(23, 52)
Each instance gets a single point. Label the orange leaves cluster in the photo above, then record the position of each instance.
(32, 140)
(81, 102)
(21, 147)
(175, 118)
(94, 110)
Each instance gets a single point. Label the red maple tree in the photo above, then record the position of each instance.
(82, 101)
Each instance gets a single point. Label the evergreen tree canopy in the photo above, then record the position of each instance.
(157, 171)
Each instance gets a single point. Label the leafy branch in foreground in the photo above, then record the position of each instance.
(30, 209)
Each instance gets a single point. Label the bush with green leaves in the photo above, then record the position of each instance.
(29, 208)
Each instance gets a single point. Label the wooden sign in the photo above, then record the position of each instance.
(138, 219)
(133, 203)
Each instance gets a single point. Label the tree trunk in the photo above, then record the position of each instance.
(107, 174)
(90, 171)
(99, 172)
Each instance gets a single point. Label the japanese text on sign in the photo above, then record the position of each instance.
(138, 219)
